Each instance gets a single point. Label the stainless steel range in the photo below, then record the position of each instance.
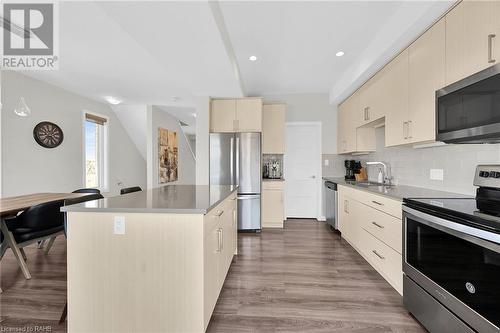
(451, 258)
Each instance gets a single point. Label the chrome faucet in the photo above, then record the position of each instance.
(387, 171)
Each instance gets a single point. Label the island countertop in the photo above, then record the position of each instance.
(169, 199)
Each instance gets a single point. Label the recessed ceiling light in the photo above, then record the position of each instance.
(252, 58)
(339, 54)
(112, 100)
(194, 115)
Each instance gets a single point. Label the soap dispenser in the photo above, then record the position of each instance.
(380, 178)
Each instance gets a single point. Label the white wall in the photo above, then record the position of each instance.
(28, 167)
(312, 107)
(133, 119)
(203, 140)
(187, 166)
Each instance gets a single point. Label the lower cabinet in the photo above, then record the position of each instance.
(373, 232)
(272, 204)
(220, 245)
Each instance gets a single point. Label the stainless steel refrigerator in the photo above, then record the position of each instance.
(235, 159)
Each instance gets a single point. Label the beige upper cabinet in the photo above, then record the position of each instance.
(249, 114)
(370, 105)
(396, 105)
(222, 115)
(426, 75)
(472, 38)
(236, 115)
(341, 128)
(273, 128)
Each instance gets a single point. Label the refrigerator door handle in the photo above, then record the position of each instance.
(231, 156)
(237, 160)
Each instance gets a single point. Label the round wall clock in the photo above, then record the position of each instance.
(48, 134)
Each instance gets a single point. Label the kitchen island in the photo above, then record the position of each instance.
(150, 261)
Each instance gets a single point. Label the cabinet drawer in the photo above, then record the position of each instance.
(384, 259)
(384, 204)
(273, 185)
(213, 217)
(385, 227)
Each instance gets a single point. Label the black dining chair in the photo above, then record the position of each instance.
(68, 202)
(130, 190)
(87, 190)
(37, 223)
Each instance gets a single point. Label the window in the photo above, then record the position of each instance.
(95, 151)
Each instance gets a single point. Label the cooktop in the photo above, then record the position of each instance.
(461, 210)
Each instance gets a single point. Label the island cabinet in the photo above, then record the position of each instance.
(236, 115)
(151, 261)
(372, 225)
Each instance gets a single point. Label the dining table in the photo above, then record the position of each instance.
(11, 206)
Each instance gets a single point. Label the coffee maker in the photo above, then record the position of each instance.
(352, 167)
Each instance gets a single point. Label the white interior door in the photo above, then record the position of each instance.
(302, 170)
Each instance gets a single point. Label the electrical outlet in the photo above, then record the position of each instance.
(119, 227)
(436, 174)
(327, 162)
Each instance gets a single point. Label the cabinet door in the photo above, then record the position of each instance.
(272, 209)
(369, 105)
(222, 115)
(426, 75)
(351, 122)
(467, 28)
(273, 128)
(343, 214)
(249, 115)
(341, 128)
(211, 260)
(396, 119)
(495, 29)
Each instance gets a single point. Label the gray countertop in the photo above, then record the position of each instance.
(398, 192)
(170, 199)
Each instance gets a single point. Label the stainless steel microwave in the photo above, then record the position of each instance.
(468, 111)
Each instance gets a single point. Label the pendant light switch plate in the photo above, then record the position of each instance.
(436, 174)
(119, 225)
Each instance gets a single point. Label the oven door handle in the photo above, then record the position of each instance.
(477, 236)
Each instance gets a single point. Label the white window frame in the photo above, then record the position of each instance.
(103, 152)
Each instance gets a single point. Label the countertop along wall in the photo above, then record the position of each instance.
(29, 168)
(410, 166)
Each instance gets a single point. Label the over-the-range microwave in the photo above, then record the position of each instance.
(468, 111)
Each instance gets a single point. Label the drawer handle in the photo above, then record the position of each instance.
(491, 60)
(219, 214)
(378, 225)
(377, 203)
(378, 255)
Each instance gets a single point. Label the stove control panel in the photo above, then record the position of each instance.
(487, 175)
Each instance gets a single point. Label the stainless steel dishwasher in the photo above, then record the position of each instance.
(331, 200)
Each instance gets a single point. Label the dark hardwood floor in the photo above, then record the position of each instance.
(303, 278)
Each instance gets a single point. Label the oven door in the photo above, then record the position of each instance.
(457, 264)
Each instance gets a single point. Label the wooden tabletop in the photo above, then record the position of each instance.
(13, 205)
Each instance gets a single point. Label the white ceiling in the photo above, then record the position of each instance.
(296, 42)
(141, 52)
(146, 52)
